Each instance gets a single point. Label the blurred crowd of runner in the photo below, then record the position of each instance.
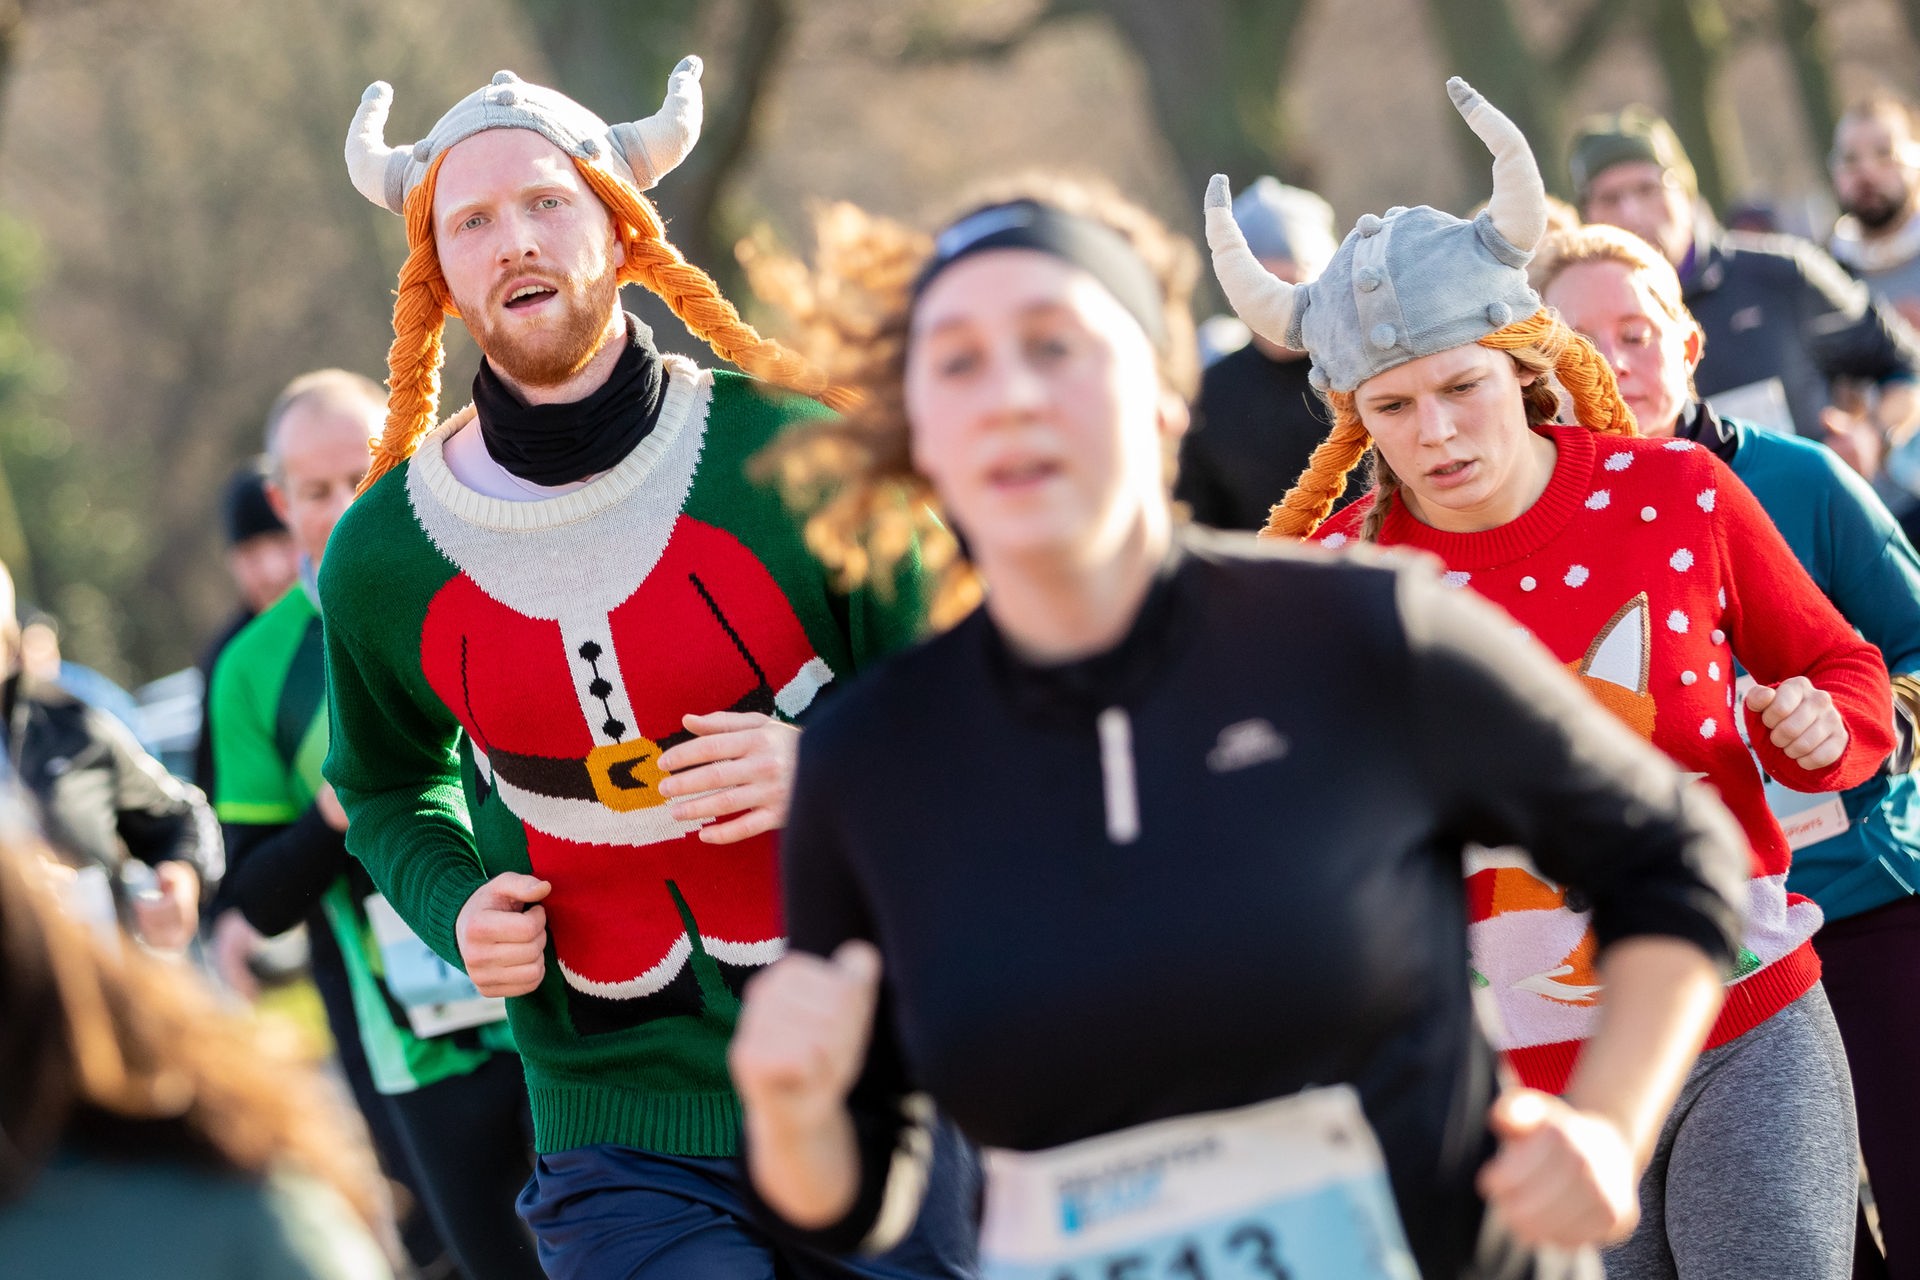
(1142, 899)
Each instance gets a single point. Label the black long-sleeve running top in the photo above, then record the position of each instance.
(1254, 887)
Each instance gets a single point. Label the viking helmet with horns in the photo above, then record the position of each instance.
(642, 152)
(617, 162)
(1404, 284)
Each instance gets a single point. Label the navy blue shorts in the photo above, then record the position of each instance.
(609, 1212)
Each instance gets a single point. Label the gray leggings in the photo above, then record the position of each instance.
(1756, 1173)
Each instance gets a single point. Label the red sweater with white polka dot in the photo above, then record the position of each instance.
(1646, 566)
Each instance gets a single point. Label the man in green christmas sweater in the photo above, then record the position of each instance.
(567, 641)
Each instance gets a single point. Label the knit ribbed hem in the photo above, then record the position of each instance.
(581, 1115)
(1750, 1002)
(1757, 997)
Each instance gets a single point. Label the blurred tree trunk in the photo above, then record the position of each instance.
(1691, 40)
(1484, 43)
(13, 539)
(1184, 50)
(1806, 45)
(13, 21)
(616, 58)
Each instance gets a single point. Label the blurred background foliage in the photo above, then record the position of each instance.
(178, 237)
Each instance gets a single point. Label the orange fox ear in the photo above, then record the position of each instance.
(1616, 664)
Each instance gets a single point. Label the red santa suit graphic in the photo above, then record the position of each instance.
(569, 693)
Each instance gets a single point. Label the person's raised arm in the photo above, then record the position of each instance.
(1524, 756)
(837, 1151)
(392, 759)
(1820, 715)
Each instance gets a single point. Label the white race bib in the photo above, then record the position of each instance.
(438, 998)
(1292, 1189)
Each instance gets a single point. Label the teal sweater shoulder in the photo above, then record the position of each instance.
(1854, 550)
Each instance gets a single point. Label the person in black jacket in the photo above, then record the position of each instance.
(1258, 419)
(1772, 307)
(106, 805)
(1162, 845)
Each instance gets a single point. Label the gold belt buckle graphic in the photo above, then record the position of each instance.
(627, 775)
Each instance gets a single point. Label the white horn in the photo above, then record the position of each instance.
(1257, 296)
(654, 147)
(1519, 203)
(370, 161)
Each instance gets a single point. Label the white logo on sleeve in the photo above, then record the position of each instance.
(1245, 744)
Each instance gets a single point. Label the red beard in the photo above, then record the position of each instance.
(555, 353)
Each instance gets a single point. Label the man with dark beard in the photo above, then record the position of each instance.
(1876, 177)
(567, 641)
(1875, 166)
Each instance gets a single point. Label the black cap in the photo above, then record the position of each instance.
(244, 508)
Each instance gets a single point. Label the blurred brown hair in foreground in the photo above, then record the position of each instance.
(853, 475)
(117, 1063)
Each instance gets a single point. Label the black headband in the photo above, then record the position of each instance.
(1094, 247)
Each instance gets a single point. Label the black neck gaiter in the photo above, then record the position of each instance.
(551, 444)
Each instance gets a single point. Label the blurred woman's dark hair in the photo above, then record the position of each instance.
(108, 1051)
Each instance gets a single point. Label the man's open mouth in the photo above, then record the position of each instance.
(528, 295)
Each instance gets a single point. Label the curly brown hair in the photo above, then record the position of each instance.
(868, 508)
(105, 1046)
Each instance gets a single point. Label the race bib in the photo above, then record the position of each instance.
(1806, 818)
(1293, 1189)
(438, 998)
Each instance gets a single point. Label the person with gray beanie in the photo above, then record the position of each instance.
(1257, 419)
(1773, 308)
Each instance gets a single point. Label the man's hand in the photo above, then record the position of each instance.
(234, 943)
(329, 806)
(1561, 1177)
(744, 763)
(167, 921)
(502, 932)
(802, 1037)
(1802, 721)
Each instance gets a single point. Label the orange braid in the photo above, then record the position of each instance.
(655, 265)
(1588, 379)
(420, 309)
(1312, 497)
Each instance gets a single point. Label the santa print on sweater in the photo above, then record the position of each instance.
(1644, 566)
(569, 685)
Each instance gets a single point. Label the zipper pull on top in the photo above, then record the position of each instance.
(1119, 783)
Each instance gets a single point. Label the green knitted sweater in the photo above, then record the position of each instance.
(501, 675)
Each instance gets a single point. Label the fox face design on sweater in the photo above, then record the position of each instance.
(1522, 936)
(569, 686)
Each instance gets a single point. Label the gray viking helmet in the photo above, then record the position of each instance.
(1404, 284)
(643, 151)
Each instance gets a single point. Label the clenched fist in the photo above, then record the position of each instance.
(1561, 1177)
(502, 932)
(802, 1036)
(1801, 720)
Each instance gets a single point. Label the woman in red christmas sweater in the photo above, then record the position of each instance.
(1646, 567)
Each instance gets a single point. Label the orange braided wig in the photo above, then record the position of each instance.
(423, 302)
